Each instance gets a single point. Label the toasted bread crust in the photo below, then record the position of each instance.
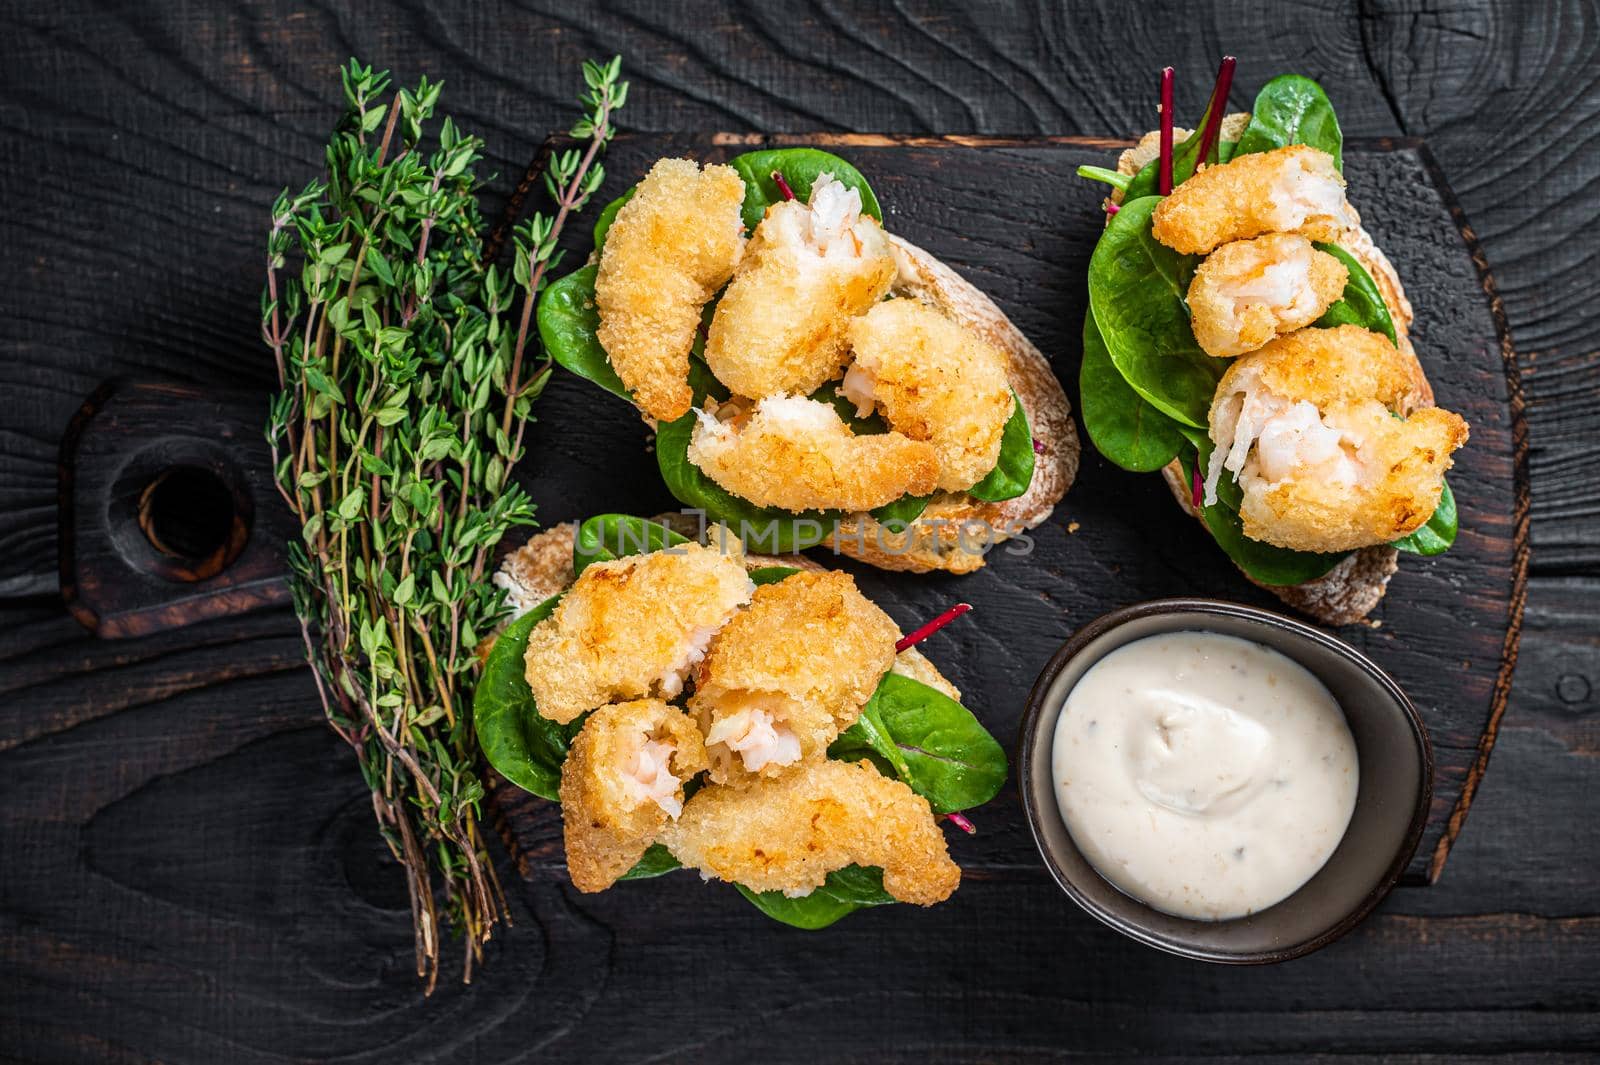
(1350, 591)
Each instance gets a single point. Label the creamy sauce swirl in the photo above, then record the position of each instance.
(1205, 775)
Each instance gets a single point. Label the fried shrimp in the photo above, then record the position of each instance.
(789, 673)
(670, 248)
(797, 454)
(1322, 432)
(1287, 190)
(621, 783)
(809, 268)
(788, 833)
(1248, 292)
(933, 380)
(633, 627)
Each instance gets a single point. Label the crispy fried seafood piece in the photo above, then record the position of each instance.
(621, 783)
(671, 247)
(789, 673)
(633, 627)
(1308, 426)
(933, 380)
(1287, 190)
(788, 833)
(1248, 292)
(808, 270)
(797, 454)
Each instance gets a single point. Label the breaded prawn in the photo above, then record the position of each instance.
(789, 673)
(671, 247)
(787, 833)
(1308, 427)
(934, 380)
(797, 454)
(1296, 189)
(621, 783)
(633, 627)
(1250, 291)
(809, 268)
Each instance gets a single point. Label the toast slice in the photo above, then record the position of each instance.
(1347, 593)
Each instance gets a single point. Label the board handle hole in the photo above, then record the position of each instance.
(182, 517)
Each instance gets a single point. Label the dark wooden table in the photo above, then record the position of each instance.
(188, 869)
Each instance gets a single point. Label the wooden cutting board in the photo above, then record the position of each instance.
(1012, 217)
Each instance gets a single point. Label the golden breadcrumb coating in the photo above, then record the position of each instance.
(1287, 190)
(787, 833)
(779, 328)
(671, 247)
(1248, 292)
(633, 627)
(1308, 426)
(789, 673)
(797, 454)
(933, 380)
(621, 783)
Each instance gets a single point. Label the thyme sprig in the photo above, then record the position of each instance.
(406, 384)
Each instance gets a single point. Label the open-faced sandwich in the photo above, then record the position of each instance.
(757, 719)
(811, 377)
(1247, 338)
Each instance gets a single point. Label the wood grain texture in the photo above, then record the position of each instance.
(187, 867)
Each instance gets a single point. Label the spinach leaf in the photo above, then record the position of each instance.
(656, 861)
(1111, 177)
(800, 167)
(1439, 533)
(608, 215)
(523, 747)
(1137, 287)
(1262, 562)
(1013, 471)
(1291, 109)
(569, 324)
(845, 891)
(1126, 429)
(902, 512)
(771, 574)
(1362, 303)
(609, 536)
(934, 744)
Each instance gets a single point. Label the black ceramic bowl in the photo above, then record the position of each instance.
(1391, 804)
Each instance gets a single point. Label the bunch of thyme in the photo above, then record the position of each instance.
(406, 385)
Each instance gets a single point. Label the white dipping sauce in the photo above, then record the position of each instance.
(1203, 774)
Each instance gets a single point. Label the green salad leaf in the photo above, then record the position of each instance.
(1126, 429)
(933, 743)
(569, 328)
(800, 167)
(656, 861)
(1137, 288)
(1436, 537)
(1291, 109)
(846, 890)
(1262, 562)
(608, 215)
(1362, 303)
(1013, 471)
(610, 536)
(523, 747)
